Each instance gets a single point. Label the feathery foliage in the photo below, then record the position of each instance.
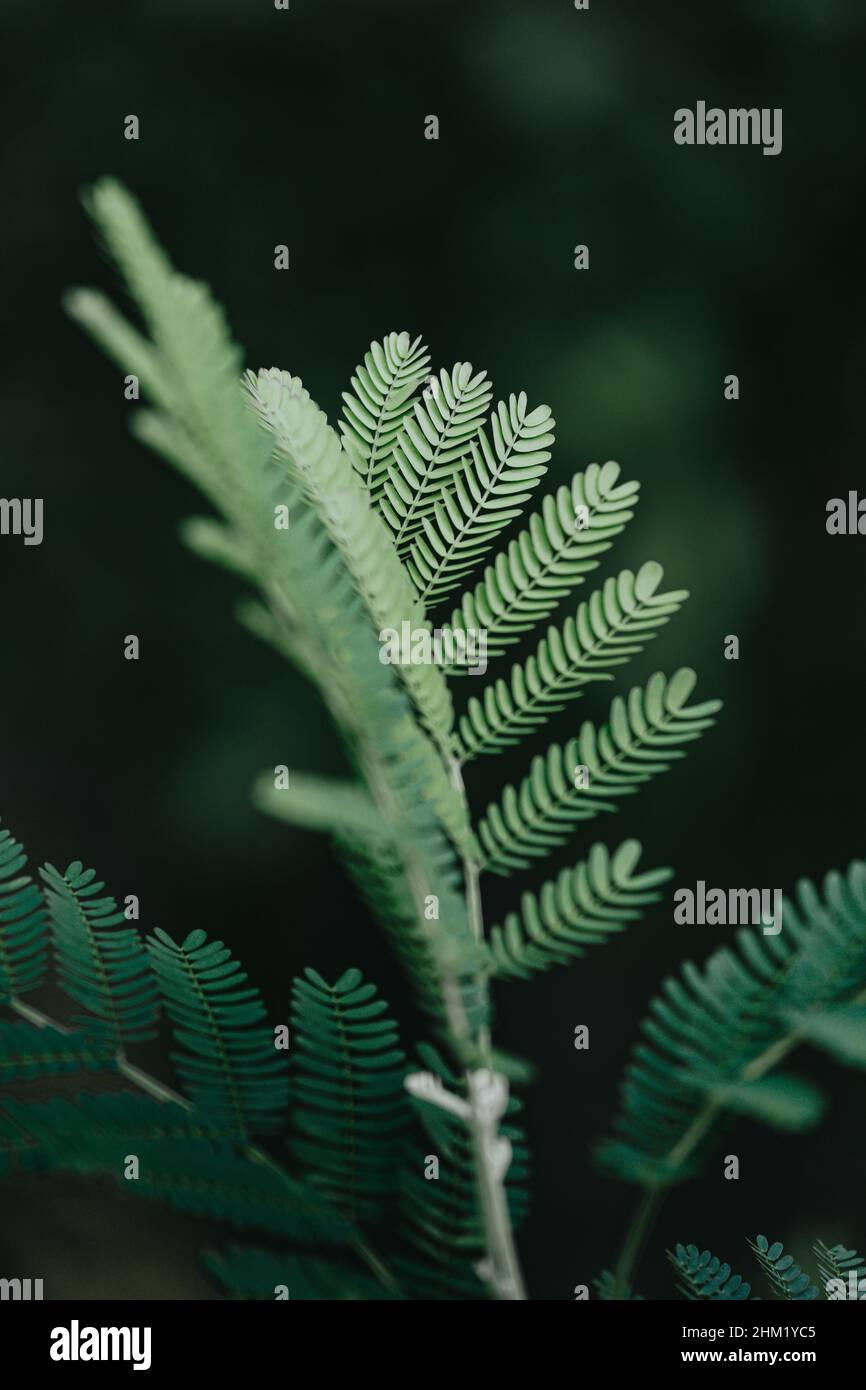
(786, 1278)
(544, 562)
(193, 1155)
(228, 1066)
(435, 438)
(843, 1266)
(27, 1052)
(487, 494)
(183, 1161)
(389, 513)
(704, 1277)
(568, 783)
(384, 385)
(205, 1179)
(582, 906)
(606, 631)
(59, 1133)
(714, 1034)
(349, 1109)
(23, 924)
(312, 453)
(100, 960)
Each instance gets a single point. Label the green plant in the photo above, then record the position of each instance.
(785, 1278)
(715, 1037)
(388, 517)
(704, 1277)
(347, 541)
(352, 1115)
(194, 1149)
(349, 1129)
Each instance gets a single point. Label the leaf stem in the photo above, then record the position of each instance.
(635, 1241)
(502, 1265)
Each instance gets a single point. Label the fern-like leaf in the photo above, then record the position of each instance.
(121, 341)
(23, 924)
(607, 631)
(383, 386)
(320, 803)
(429, 447)
(211, 1180)
(487, 493)
(374, 713)
(840, 1032)
(204, 428)
(350, 1111)
(786, 1278)
(838, 1266)
(191, 368)
(638, 741)
(544, 562)
(49, 1135)
(312, 451)
(581, 907)
(705, 1278)
(101, 962)
(105, 1115)
(196, 1177)
(830, 970)
(27, 1052)
(184, 1160)
(711, 1031)
(229, 1066)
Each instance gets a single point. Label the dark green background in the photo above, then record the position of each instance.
(306, 128)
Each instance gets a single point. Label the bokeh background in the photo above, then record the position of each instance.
(306, 128)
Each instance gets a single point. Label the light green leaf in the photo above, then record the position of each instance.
(785, 1102)
(605, 632)
(839, 1031)
(320, 803)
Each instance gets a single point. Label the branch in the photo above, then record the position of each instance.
(501, 1268)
